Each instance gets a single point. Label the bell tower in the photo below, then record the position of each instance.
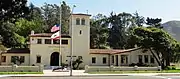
(80, 35)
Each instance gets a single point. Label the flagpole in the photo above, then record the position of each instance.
(60, 35)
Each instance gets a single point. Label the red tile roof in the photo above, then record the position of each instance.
(18, 51)
(110, 51)
(48, 35)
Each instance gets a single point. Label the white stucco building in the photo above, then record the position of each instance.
(43, 50)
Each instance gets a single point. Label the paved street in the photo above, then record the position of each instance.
(97, 77)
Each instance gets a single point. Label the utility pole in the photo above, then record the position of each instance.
(71, 40)
(60, 35)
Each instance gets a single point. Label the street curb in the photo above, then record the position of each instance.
(61, 75)
(178, 74)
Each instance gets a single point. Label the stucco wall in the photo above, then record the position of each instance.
(8, 58)
(45, 51)
(15, 68)
(80, 42)
(132, 58)
(99, 60)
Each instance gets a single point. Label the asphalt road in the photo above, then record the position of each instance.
(99, 77)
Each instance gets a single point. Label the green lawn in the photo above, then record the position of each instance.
(121, 72)
(3, 73)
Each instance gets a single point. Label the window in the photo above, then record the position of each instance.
(104, 60)
(80, 32)
(22, 59)
(56, 42)
(152, 59)
(146, 58)
(47, 41)
(64, 41)
(77, 21)
(112, 59)
(14, 58)
(124, 59)
(38, 59)
(93, 59)
(140, 58)
(3, 58)
(83, 21)
(39, 41)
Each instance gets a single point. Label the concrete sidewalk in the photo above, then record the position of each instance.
(49, 73)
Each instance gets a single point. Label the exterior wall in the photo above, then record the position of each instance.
(99, 60)
(15, 68)
(80, 42)
(8, 59)
(132, 58)
(45, 51)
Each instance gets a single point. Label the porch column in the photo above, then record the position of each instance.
(109, 59)
(129, 59)
(114, 60)
(51, 41)
(119, 58)
(143, 58)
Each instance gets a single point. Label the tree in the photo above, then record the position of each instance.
(17, 60)
(77, 62)
(119, 25)
(157, 41)
(139, 20)
(24, 27)
(35, 13)
(98, 32)
(12, 9)
(66, 11)
(154, 22)
(51, 15)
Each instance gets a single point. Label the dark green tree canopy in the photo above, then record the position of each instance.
(51, 16)
(12, 9)
(154, 22)
(158, 40)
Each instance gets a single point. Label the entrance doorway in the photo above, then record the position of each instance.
(54, 59)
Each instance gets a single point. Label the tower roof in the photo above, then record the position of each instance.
(81, 14)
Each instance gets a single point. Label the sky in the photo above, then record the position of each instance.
(165, 9)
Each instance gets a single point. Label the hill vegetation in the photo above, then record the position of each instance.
(173, 28)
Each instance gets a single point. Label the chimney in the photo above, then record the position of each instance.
(32, 32)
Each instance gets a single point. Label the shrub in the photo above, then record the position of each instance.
(170, 68)
(173, 68)
(139, 64)
(133, 64)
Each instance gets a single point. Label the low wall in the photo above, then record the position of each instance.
(113, 68)
(15, 68)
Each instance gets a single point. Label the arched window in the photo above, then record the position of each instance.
(83, 21)
(77, 21)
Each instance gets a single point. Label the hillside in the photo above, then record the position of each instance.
(173, 27)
